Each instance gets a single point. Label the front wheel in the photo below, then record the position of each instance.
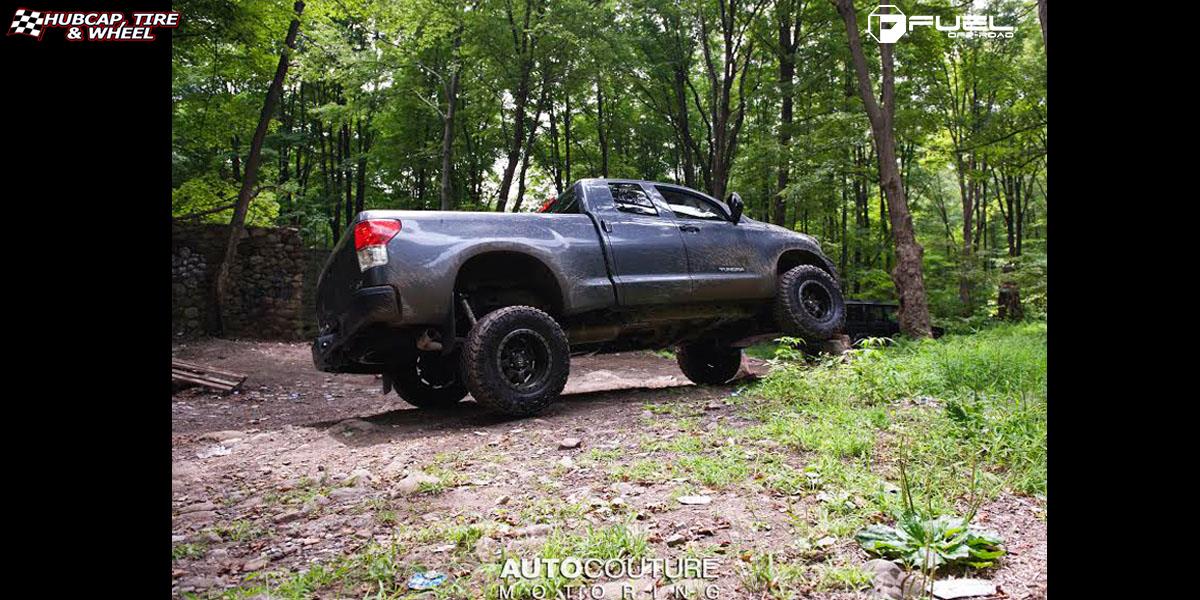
(706, 364)
(430, 381)
(516, 360)
(809, 304)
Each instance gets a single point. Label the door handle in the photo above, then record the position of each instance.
(689, 228)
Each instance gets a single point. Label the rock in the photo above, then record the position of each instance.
(348, 493)
(198, 518)
(352, 427)
(695, 500)
(199, 582)
(502, 500)
(199, 506)
(569, 443)
(828, 540)
(287, 517)
(211, 451)
(623, 488)
(566, 462)
(222, 436)
(949, 589)
(675, 540)
(880, 566)
(361, 476)
(837, 345)
(532, 530)
(487, 549)
(412, 484)
(209, 536)
(394, 468)
(257, 564)
(888, 578)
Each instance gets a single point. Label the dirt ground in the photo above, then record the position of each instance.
(302, 467)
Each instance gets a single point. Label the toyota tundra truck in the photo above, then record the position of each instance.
(443, 304)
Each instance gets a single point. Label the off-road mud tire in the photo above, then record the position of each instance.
(494, 371)
(439, 387)
(818, 319)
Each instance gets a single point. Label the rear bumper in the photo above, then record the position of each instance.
(334, 349)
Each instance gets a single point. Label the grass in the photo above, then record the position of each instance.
(240, 530)
(377, 569)
(188, 550)
(948, 403)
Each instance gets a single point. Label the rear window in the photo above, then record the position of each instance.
(566, 203)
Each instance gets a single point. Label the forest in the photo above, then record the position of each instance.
(304, 113)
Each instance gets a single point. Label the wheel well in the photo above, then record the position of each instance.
(794, 258)
(495, 279)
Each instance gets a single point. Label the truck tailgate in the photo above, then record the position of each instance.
(339, 280)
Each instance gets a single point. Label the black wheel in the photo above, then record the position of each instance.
(430, 381)
(516, 360)
(809, 304)
(707, 364)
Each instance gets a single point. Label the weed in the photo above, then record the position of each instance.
(188, 550)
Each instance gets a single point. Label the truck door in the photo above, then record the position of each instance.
(645, 245)
(722, 263)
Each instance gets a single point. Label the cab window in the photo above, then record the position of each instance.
(691, 206)
(631, 198)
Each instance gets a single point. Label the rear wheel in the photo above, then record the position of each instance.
(516, 360)
(430, 381)
(706, 364)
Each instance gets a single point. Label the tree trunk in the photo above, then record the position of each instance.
(518, 141)
(968, 211)
(236, 162)
(360, 180)
(555, 154)
(907, 276)
(1041, 5)
(683, 124)
(447, 187)
(788, 28)
(601, 129)
(238, 223)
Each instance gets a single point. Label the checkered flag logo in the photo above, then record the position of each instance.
(26, 22)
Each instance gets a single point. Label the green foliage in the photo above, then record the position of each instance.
(360, 123)
(932, 542)
(207, 193)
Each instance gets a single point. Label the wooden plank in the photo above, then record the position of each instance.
(200, 381)
(217, 379)
(179, 364)
(213, 381)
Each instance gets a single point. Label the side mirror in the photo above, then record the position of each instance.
(736, 206)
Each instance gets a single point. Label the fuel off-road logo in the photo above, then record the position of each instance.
(888, 26)
(93, 26)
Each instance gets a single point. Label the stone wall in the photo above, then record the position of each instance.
(268, 283)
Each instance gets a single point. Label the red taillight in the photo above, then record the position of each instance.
(375, 232)
(370, 241)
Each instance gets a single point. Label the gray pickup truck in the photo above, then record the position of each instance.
(495, 304)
